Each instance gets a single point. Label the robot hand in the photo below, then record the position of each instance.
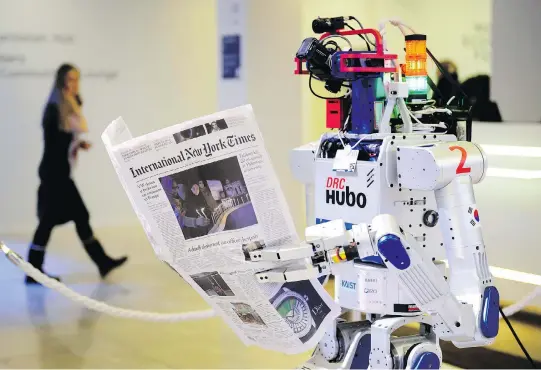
(326, 246)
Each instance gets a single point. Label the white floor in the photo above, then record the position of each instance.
(41, 329)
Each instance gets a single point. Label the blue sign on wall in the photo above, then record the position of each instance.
(230, 56)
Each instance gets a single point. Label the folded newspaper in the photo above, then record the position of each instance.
(207, 195)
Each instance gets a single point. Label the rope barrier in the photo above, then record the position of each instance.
(517, 306)
(97, 305)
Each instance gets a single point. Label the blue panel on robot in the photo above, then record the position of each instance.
(321, 221)
(490, 319)
(361, 360)
(427, 360)
(392, 249)
(353, 62)
(373, 259)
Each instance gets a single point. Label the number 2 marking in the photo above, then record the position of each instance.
(464, 154)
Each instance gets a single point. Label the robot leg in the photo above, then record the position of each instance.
(366, 345)
(344, 346)
(420, 351)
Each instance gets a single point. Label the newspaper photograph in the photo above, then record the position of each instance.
(206, 195)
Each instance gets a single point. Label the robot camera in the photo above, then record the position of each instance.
(317, 57)
(322, 25)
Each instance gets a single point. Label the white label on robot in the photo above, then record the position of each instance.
(371, 290)
(352, 197)
(345, 160)
(348, 284)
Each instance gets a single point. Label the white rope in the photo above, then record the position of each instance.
(516, 307)
(97, 305)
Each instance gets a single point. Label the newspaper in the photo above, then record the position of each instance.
(206, 195)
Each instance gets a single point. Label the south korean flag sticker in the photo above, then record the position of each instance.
(474, 214)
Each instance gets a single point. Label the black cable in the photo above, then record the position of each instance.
(517, 339)
(319, 96)
(465, 98)
(362, 28)
(446, 74)
(433, 86)
(469, 122)
(336, 47)
(361, 36)
(359, 23)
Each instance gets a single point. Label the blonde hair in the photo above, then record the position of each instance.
(71, 116)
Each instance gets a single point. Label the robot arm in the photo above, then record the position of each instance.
(331, 246)
(450, 169)
(422, 280)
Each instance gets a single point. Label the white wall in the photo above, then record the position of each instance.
(274, 91)
(162, 54)
(516, 57)
(265, 80)
(510, 208)
(458, 30)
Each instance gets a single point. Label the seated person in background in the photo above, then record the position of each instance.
(478, 90)
(446, 89)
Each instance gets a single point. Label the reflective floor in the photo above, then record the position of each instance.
(42, 329)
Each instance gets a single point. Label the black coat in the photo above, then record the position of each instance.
(59, 200)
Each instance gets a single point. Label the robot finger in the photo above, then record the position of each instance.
(295, 252)
(291, 274)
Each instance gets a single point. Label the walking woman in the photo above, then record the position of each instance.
(59, 200)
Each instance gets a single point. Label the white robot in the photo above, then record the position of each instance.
(391, 202)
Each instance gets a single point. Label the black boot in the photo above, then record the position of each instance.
(104, 263)
(36, 256)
